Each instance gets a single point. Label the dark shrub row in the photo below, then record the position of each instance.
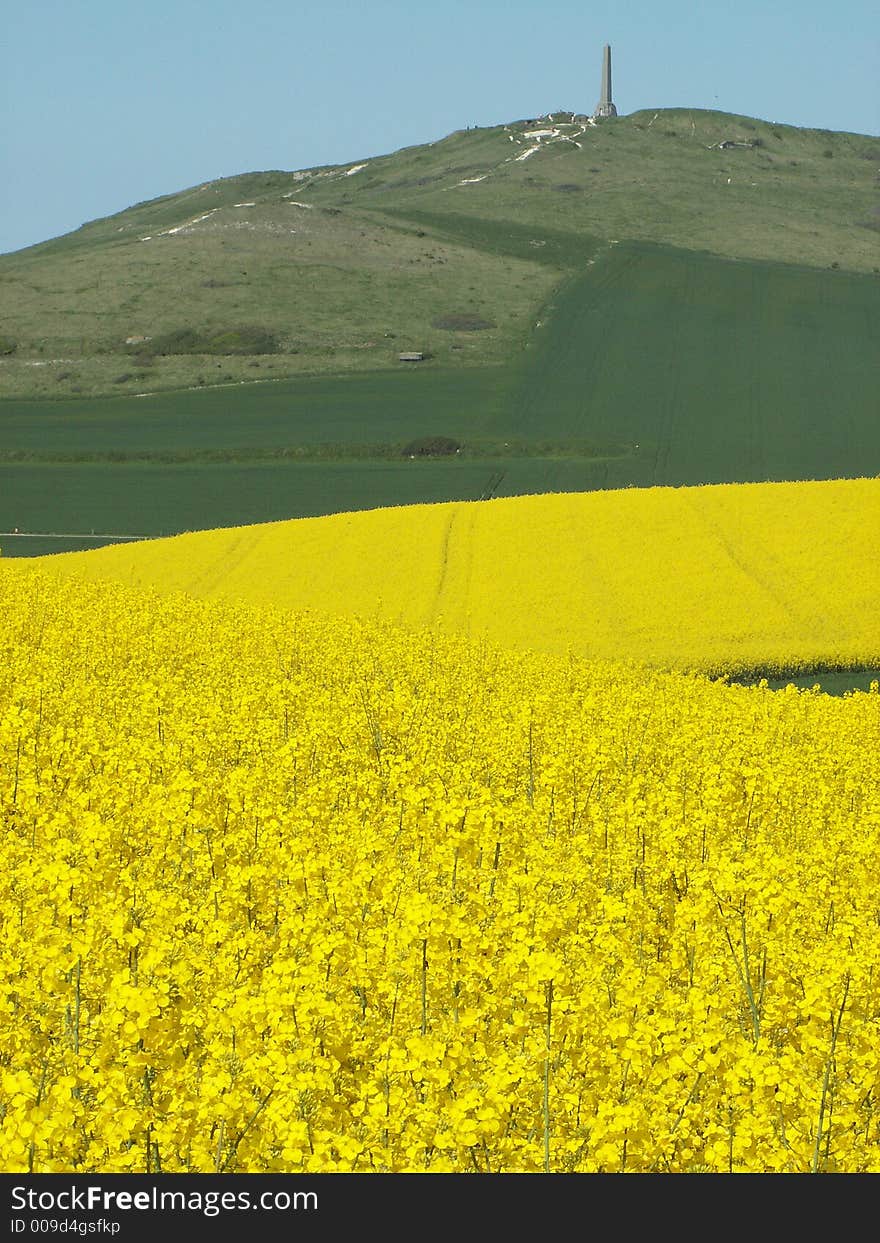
(246, 339)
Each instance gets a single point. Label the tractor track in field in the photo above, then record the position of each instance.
(435, 610)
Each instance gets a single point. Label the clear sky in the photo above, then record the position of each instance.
(110, 102)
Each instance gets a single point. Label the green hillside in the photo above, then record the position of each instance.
(339, 269)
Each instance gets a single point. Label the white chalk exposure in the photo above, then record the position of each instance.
(532, 141)
(356, 169)
(181, 228)
(189, 224)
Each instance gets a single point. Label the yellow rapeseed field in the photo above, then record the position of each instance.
(281, 892)
(730, 577)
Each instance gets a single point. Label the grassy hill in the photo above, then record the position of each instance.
(726, 579)
(337, 269)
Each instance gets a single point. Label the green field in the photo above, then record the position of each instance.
(374, 408)
(720, 372)
(154, 500)
(650, 366)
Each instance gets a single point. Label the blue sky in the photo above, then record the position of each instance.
(106, 104)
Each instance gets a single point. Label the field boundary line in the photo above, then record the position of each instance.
(69, 535)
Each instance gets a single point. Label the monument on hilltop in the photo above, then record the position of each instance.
(605, 107)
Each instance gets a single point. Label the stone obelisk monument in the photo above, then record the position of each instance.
(605, 108)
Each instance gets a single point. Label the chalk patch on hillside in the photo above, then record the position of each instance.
(244, 204)
(470, 181)
(308, 206)
(189, 224)
(181, 228)
(356, 169)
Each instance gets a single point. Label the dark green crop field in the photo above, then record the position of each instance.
(381, 407)
(154, 500)
(719, 371)
(837, 682)
(649, 366)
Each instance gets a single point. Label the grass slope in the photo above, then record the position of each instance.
(729, 578)
(795, 195)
